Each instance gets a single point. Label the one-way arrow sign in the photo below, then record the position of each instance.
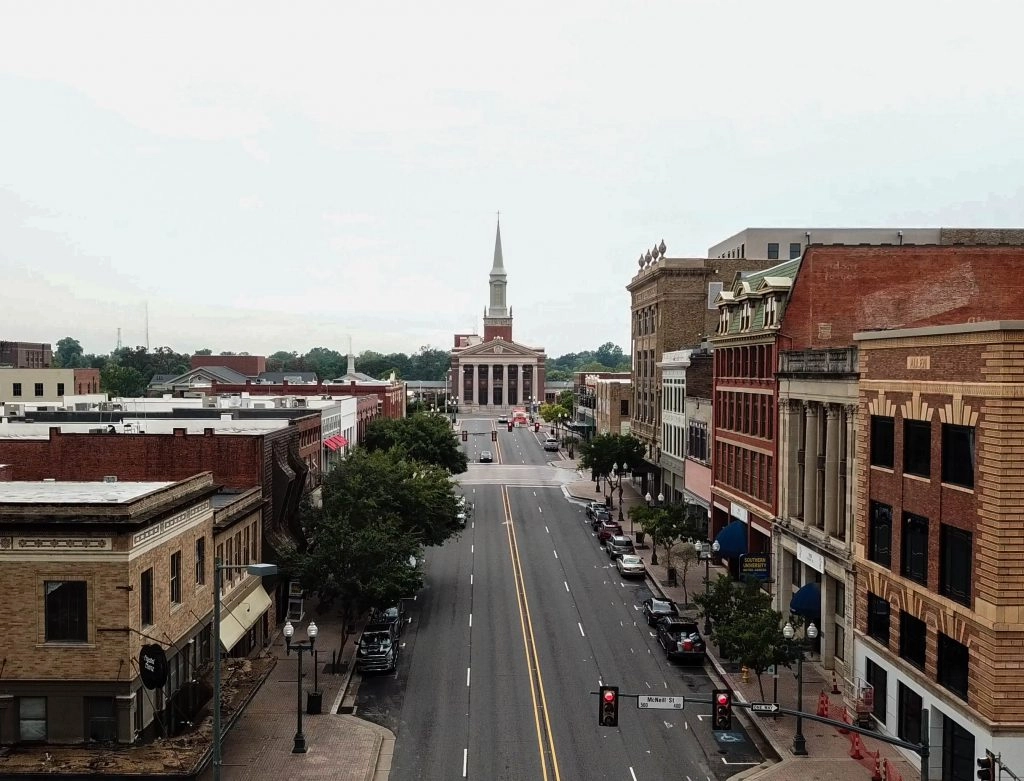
(764, 707)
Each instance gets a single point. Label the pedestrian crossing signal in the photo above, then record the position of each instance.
(608, 706)
(987, 767)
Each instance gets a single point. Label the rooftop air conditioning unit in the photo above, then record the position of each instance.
(15, 410)
(300, 402)
(109, 478)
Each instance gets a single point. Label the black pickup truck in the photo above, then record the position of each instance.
(681, 640)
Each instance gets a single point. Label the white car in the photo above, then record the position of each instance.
(630, 566)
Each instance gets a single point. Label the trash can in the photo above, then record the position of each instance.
(671, 572)
(640, 539)
(314, 702)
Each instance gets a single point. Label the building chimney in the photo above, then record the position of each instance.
(179, 432)
(207, 432)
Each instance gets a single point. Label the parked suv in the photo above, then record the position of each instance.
(607, 530)
(618, 546)
(378, 648)
(599, 517)
(551, 444)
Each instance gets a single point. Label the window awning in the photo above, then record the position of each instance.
(335, 443)
(806, 601)
(732, 540)
(243, 616)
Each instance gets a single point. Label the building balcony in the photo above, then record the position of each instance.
(833, 363)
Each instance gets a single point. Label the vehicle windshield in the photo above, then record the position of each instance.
(377, 638)
(630, 560)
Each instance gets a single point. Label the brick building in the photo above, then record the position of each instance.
(26, 355)
(247, 365)
(99, 569)
(269, 460)
(939, 544)
(584, 413)
(743, 488)
(672, 307)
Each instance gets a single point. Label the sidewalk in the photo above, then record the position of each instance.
(830, 754)
(340, 747)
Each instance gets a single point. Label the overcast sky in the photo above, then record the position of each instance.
(285, 175)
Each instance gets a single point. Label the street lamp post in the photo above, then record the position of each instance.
(256, 570)
(289, 631)
(706, 550)
(799, 742)
(617, 470)
(654, 542)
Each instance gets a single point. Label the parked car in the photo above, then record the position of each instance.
(551, 444)
(630, 565)
(607, 530)
(681, 640)
(486, 457)
(389, 616)
(618, 545)
(378, 648)
(657, 609)
(593, 507)
(599, 517)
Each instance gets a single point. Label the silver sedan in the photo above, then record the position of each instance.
(630, 566)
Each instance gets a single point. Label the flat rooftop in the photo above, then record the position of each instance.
(70, 492)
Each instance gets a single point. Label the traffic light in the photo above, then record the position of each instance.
(987, 766)
(608, 706)
(494, 436)
(465, 435)
(721, 709)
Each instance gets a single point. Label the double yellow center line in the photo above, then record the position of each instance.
(545, 740)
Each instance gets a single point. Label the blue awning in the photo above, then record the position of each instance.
(732, 540)
(807, 601)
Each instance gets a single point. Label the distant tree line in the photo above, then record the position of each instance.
(127, 371)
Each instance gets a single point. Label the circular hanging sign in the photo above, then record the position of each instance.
(153, 666)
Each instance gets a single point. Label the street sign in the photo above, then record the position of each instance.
(764, 707)
(661, 703)
(755, 565)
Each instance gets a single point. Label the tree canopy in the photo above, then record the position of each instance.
(421, 437)
(600, 453)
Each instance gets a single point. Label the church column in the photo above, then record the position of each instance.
(811, 463)
(831, 469)
(477, 399)
(846, 522)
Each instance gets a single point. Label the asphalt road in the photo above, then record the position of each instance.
(522, 617)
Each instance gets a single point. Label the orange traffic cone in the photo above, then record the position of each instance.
(877, 775)
(835, 683)
(823, 705)
(856, 747)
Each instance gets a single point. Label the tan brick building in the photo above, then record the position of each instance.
(102, 570)
(672, 307)
(939, 544)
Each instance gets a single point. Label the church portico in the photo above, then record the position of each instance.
(495, 372)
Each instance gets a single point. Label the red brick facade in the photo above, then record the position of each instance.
(87, 381)
(249, 365)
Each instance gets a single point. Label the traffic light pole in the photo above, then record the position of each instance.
(922, 749)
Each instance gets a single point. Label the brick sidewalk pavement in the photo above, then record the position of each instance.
(828, 751)
(340, 747)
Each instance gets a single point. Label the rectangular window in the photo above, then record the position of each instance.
(880, 534)
(39, 389)
(878, 618)
(100, 724)
(176, 578)
(917, 448)
(958, 455)
(200, 561)
(882, 429)
(16, 389)
(794, 249)
(914, 563)
(879, 680)
(840, 642)
(910, 707)
(840, 592)
(773, 250)
(956, 557)
(913, 639)
(952, 667)
(67, 611)
(146, 597)
(32, 719)
(60, 388)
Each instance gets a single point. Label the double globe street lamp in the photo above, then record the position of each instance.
(799, 742)
(300, 648)
(707, 549)
(654, 543)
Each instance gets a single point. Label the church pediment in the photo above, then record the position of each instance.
(499, 348)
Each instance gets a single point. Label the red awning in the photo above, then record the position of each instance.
(334, 443)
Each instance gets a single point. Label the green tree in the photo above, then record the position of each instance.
(425, 438)
(204, 351)
(284, 361)
(120, 380)
(609, 354)
(68, 354)
(600, 453)
(745, 627)
(429, 363)
(567, 399)
(386, 483)
(361, 563)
